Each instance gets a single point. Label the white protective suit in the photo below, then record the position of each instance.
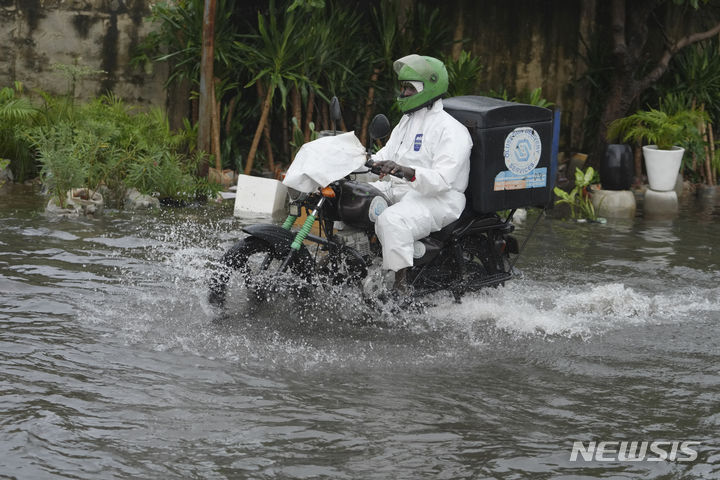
(438, 147)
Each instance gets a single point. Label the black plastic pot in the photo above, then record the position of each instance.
(616, 169)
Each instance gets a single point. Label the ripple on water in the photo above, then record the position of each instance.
(115, 366)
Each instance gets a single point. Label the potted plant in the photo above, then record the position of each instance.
(664, 133)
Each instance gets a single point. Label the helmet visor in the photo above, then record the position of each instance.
(414, 62)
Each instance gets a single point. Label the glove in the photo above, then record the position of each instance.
(385, 167)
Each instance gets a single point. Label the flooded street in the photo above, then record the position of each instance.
(114, 366)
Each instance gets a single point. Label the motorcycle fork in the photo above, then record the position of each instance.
(301, 235)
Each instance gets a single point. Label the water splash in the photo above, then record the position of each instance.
(162, 303)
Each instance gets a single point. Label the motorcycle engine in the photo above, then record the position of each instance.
(360, 204)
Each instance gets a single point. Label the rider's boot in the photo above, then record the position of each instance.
(378, 281)
(400, 284)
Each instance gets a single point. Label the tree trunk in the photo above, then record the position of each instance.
(178, 103)
(621, 97)
(638, 165)
(216, 130)
(229, 116)
(207, 100)
(258, 132)
(285, 136)
(296, 101)
(266, 134)
(711, 136)
(325, 116)
(309, 114)
(708, 163)
(369, 106)
(268, 148)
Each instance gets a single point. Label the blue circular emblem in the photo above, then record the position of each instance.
(522, 150)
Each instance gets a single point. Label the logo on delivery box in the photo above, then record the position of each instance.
(522, 150)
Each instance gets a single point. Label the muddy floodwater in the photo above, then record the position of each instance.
(112, 364)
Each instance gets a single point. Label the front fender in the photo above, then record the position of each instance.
(281, 239)
(275, 235)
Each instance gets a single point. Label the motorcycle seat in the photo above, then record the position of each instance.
(466, 218)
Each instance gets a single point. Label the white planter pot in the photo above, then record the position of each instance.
(662, 167)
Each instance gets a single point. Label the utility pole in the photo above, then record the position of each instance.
(207, 89)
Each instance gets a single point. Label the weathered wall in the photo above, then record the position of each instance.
(525, 44)
(522, 45)
(36, 34)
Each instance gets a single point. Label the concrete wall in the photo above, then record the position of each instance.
(100, 34)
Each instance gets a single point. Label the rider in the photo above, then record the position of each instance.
(432, 150)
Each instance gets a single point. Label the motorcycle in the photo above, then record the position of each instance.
(469, 254)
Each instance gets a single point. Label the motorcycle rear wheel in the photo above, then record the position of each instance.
(256, 261)
(484, 267)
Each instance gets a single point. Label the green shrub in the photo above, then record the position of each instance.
(106, 142)
(17, 115)
(578, 198)
(59, 150)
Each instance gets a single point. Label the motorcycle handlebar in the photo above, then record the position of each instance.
(376, 170)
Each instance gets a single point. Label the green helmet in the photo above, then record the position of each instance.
(427, 73)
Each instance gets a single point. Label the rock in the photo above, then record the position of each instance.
(134, 200)
(614, 203)
(78, 202)
(85, 203)
(707, 192)
(520, 216)
(53, 208)
(226, 177)
(679, 185)
(6, 175)
(660, 205)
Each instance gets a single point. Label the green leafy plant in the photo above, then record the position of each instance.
(3, 165)
(533, 97)
(174, 183)
(579, 198)
(298, 136)
(105, 143)
(13, 106)
(537, 99)
(75, 74)
(658, 127)
(463, 74)
(144, 174)
(17, 116)
(274, 56)
(63, 167)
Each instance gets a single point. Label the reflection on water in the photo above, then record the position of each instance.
(114, 366)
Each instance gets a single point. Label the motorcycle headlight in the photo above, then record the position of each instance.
(296, 196)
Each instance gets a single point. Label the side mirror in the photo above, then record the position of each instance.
(335, 114)
(379, 127)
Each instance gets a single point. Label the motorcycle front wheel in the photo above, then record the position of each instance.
(255, 263)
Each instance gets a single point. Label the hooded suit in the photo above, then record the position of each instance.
(437, 146)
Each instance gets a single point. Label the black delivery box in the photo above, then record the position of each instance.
(510, 163)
